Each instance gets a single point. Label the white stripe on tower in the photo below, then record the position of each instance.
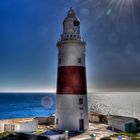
(71, 54)
(69, 112)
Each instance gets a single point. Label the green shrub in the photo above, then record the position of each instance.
(125, 134)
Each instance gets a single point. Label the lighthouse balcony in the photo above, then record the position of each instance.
(72, 38)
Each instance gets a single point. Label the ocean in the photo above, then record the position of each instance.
(22, 105)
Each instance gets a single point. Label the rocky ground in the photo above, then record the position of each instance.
(100, 130)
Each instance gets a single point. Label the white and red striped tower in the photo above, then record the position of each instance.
(71, 98)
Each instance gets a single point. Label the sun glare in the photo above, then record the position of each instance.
(108, 6)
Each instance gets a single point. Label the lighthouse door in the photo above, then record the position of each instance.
(81, 124)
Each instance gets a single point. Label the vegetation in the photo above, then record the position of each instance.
(39, 132)
(133, 136)
(125, 134)
(20, 136)
(13, 136)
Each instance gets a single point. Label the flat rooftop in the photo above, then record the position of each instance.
(16, 121)
(122, 118)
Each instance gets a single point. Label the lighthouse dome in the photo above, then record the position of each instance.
(71, 24)
(71, 12)
(71, 15)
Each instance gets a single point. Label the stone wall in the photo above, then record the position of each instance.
(97, 118)
(46, 120)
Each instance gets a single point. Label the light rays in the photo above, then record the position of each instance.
(117, 7)
(121, 11)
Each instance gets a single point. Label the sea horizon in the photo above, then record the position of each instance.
(94, 92)
(26, 105)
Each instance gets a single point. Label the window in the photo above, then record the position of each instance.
(81, 101)
(12, 127)
(59, 61)
(81, 108)
(57, 121)
(76, 23)
(79, 60)
(9, 127)
(76, 26)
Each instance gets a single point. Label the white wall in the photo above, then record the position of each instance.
(116, 123)
(69, 54)
(22, 127)
(28, 126)
(1, 126)
(3, 123)
(68, 111)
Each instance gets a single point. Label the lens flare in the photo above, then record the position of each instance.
(47, 102)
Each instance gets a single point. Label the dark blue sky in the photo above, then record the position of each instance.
(29, 30)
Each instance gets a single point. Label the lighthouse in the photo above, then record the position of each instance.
(71, 95)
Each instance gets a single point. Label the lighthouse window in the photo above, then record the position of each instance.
(79, 60)
(59, 60)
(80, 101)
(76, 23)
(81, 108)
(57, 121)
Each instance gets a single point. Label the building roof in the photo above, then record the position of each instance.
(122, 118)
(71, 12)
(16, 121)
(95, 114)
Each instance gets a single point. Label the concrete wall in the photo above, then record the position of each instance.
(97, 118)
(46, 120)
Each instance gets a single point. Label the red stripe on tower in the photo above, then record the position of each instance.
(71, 80)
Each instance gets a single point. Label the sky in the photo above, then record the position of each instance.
(29, 30)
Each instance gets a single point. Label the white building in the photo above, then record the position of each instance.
(26, 125)
(126, 124)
